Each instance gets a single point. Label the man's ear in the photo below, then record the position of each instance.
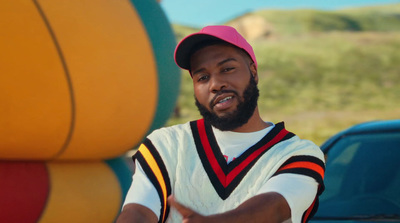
(253, 70)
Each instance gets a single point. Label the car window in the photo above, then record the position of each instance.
(362, 176)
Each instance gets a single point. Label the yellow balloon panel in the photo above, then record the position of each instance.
(35, 102)
(82, 192)
(113, 74)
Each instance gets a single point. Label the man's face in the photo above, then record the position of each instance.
(225, 85)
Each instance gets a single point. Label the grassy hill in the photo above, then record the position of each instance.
(321, 71)
(377, 18)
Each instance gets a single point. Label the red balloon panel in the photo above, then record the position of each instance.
(24, 188)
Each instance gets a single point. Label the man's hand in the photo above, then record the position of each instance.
(133, 213)
(188, 215)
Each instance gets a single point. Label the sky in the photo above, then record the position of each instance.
(199, 13)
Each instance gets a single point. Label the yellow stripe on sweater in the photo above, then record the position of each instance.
(157, 172)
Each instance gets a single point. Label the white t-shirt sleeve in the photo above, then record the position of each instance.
(143, 192)
(298, 190)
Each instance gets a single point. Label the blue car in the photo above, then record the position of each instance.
(362, 178)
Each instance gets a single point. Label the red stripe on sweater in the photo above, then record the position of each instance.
(209, 153)
(254, 155)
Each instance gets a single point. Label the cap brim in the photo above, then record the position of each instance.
(184, 48)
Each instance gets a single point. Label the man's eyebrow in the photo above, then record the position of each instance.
(198, 71)
(226, 60)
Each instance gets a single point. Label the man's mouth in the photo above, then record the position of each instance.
(224, 99)
(223, 102)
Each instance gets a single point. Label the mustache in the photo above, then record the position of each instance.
(219, 93)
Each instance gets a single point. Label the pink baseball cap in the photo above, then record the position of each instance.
(225, 33)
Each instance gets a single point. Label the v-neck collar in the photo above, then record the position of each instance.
(226, 177)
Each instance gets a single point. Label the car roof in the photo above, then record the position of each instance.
(376, 126)
(365, 127)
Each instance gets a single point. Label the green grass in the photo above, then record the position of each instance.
(321, 81)
(376, 18)
(330, 71)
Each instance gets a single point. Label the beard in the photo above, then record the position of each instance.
(240, 116)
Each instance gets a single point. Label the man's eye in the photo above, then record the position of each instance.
(228, 69)
(202, 78)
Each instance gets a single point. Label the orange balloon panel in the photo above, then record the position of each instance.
(97, 87)
(35, 102)
(113, 74)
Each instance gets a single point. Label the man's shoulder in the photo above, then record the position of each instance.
(300, 146)
(174, 132)
(169, 140)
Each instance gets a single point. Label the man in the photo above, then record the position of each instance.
(230, 166)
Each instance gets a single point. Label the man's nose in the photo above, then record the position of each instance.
(217, 83)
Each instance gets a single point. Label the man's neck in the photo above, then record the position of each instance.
(254, 124)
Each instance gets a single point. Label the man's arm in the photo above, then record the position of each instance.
(266, 207)
(136, 213)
